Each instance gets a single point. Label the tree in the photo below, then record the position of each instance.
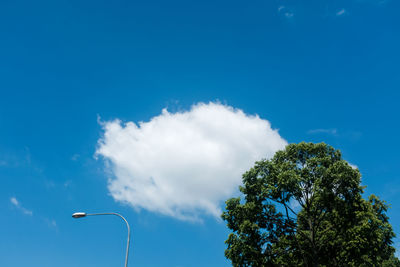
(304, 207)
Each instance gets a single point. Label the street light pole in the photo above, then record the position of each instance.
(83, 214)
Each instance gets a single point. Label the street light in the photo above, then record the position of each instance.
(77, 215)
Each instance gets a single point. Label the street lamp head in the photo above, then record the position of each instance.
(79, 215)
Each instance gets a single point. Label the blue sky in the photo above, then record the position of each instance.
(316, 70)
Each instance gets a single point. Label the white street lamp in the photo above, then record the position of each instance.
(77, 215)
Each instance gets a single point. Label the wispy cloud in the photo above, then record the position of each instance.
(289, 14)
(331, 131)
(49, 183)
(341, 12)
(67, 183)
(292, 10)
(18, 205)
(51, 223)
(286, 12)
(377, 2)
(185, 164)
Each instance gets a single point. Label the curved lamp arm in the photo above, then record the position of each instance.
(83, 214)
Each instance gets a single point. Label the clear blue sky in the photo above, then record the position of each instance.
(317, 70)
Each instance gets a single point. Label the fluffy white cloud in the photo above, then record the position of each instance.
(185, 164)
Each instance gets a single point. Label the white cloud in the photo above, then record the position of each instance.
(332, 131)
(51, 223)
(285, 11)
(355, 167)
(289, 14)
(67, 183)
(14, 201)
(341, 12)
(18, 205)
(185, 164)
(378, 2)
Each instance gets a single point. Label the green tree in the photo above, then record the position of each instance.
(304, 207)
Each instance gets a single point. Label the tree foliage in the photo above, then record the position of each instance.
(304, 207)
